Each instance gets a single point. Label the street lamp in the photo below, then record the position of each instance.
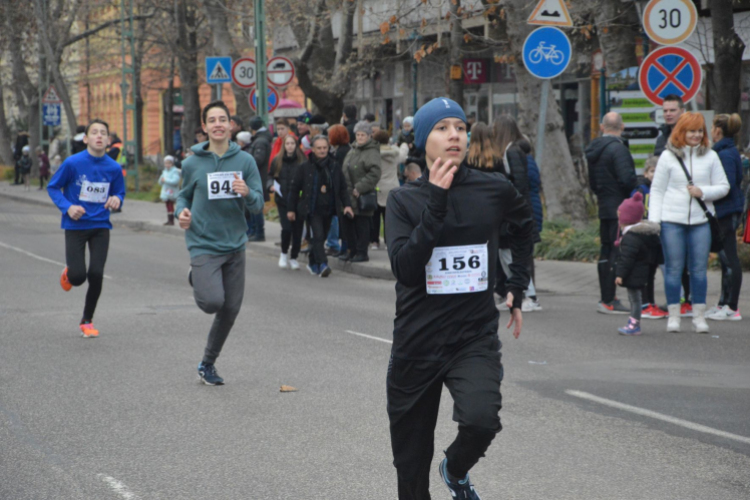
(414, 38)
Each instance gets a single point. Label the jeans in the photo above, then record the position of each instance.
(333, 235)
(685, 244)
(731, 269)
(635, 297)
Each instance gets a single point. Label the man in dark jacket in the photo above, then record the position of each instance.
(349, 120)
(673, 107)
(260, 150)
(21, 140)
(612, 178)
(443, 232)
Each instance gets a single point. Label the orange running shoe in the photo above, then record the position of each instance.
(88, 331)
(64, 283)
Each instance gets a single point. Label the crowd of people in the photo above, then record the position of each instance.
(688, 203)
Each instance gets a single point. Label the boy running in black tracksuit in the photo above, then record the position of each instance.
(443, 231)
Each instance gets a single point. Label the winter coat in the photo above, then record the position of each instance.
(76, 143)
(390, 158)
(24, 164)
(260, 149)
(670, 200)
(734, 202)
(517, 169)
(639, 249)
(361, 170)
(170, 183)
(661, 141)
(535, 187)
(306, 187)
(611, 173)
(341, 152)
(285, 177)
(21, 140)
(349, 124)
(43, 164)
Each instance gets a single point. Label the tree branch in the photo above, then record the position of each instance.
(93, 31)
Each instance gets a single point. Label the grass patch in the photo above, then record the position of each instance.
(148, 188)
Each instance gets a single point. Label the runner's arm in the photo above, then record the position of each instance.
(57, 183)
(185, 198)
(409, 247)
(520, 217)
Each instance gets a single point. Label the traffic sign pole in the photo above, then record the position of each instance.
(542, 122)
(261, 86)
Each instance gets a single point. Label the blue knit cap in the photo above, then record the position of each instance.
(428, 115)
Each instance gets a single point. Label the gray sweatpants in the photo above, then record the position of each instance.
(218, 288)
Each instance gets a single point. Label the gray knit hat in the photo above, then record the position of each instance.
(363, 126)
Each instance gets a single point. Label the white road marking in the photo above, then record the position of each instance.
(118, 487)
(370, 337)
(659, 416)
(38, 257)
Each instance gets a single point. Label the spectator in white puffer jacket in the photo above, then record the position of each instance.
(685, 232)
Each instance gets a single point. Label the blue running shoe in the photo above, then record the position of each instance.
(632, 328)
(463, 489)
(207, 374)
(314, 269)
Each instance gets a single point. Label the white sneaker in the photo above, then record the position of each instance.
(294, 264)
(713, 310)
(530, 305)
(724, 313)
(283, 261)
(375, 246)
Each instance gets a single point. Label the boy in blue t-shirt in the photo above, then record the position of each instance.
(86, 187)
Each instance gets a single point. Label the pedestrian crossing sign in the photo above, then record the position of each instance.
(218, 70)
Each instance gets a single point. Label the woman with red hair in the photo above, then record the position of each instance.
(339, 138)
(673, 202)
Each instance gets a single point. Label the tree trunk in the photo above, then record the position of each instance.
(563, 192)
(187, 55)
(456, 87)
(6, 152)
(216, 13)
(726, 74)
(617, 25)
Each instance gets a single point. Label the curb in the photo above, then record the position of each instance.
(267, 248)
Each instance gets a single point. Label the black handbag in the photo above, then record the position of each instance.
(367, 202)
(717, 235)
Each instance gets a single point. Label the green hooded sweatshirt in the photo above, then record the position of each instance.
(218, 226)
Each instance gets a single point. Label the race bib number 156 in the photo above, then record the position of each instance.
(220, 185)
(460, 269)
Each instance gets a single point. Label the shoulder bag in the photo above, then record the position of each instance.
(367, 202)
(717, 235)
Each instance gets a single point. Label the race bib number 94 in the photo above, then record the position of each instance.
(94, 192)
(460, 269)
(220, 185)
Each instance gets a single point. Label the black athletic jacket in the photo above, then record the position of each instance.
(420, 217)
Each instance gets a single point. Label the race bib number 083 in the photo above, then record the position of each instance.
(94, 192)
(220, 185)
(459, 269)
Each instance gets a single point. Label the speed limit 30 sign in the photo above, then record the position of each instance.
(669, 22)
(243, 73)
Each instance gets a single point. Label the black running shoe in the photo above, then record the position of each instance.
(207, 374)
(462, 489)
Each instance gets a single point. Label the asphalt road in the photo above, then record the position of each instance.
(123, 416)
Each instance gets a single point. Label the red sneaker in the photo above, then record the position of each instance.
(654, 312)
(686, 310)
(64, 283)
(88, 331)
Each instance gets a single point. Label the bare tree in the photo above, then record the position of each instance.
(725, 74)
(456, 86)
(217, 14)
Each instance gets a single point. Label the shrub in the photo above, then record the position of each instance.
(561, 241)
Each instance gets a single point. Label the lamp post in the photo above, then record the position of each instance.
(414, 37)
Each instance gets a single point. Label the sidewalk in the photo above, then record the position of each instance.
(559, 277)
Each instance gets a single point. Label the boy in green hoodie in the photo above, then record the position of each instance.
(220, 182)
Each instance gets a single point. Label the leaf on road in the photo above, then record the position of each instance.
(288, 388)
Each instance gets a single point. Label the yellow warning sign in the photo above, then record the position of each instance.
(551, 13)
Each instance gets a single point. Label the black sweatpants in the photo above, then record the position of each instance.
(320, 225)
(472, 375)
(375, 225)
(731, 268)
(291, 231)
(75, 259)
(357, 233)
(609, 229)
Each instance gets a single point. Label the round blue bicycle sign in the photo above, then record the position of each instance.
(546, 52)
